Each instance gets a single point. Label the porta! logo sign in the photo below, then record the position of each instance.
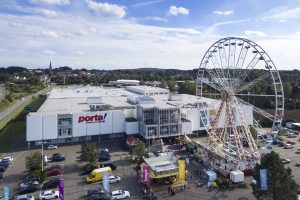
(91, 119)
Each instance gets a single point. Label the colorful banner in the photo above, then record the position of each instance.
(263, 179)
(61, 188)
(181, 169)
(146, 175)
(5, 193)
(105, 181)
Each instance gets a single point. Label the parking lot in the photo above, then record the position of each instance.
(75, 186)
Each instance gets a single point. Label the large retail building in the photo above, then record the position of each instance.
(83, 113)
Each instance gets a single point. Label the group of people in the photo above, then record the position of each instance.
(171, 192)
(148, 194)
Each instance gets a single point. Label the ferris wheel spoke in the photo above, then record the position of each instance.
(257, 110)
(248, 69)
(241, 60)
(250, 85)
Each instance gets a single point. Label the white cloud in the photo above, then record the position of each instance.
(106, 9)
(227, 12)
(174, 11)
(155, 18)
(50, 52)
(284, 14)
(255, 33)
(146, 3)
(48, 13)
(53, 2)
(49, 34)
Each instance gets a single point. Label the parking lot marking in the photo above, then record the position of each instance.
(19, 155)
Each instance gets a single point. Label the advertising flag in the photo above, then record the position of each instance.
(263, 179)
(146, 175)
(5, 193)
(61, 188)
(106, 181)
(181, 169)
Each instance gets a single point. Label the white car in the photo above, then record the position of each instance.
(49, 194)
(119, 194)
(25, 197)
(269, 140)
(51, 146)
(298, 163)
(8, 158)
(114, 179)
(288, 146)
(285, 160)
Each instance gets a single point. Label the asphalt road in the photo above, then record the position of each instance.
(16, 104)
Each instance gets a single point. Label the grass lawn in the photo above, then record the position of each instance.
(17, 125)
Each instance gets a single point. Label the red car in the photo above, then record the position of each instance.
(290, 142)
(54, 172)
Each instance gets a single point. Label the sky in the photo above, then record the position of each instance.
(119, 34)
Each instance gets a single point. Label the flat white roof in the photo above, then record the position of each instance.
(74, 99)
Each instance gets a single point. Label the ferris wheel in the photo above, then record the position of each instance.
(239, 74)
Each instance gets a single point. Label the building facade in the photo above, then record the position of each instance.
(92, 113)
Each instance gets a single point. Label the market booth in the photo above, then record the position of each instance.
(164, 172)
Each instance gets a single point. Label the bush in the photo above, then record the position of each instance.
(225, 183)
(92, 164)
(39, 173)
(218, 182)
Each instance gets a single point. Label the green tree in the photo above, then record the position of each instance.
(187, 88)
(163, 83)
(138, 149)
(90, 153)
(281, 183)
(34, 161)
(171, 85)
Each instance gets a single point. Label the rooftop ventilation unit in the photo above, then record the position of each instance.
(98, 107)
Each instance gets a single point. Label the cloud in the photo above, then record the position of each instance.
(227, 12)
(255, 33)
(174, 11)
(52, 2)
(50, 52)
(106, 9)
(146, 3)
(49, 34)
(285, 14)
(48, 13)
(155, 18)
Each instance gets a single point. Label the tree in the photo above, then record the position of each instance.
(34, 161)
(33, 164)
(163, 83)
(171, 85)
(138, 149)
(280, 181)
(187, 88)
(90, 153)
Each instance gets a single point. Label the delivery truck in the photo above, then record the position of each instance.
(97, 174)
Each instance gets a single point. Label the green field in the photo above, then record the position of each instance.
(17, 124)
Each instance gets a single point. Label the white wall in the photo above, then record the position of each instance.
(187, 128)
(131, 128)
(33, 127)
(79, 129)
(118, 121)
(49, 126)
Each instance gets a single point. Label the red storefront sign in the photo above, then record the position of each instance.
(146, 175)
(94, 118)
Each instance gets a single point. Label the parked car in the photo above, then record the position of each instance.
(298, 163)
(119, 194)
(30, 182)
(51, 146)
(291, 135)
(25, 197)
(28, 189)
(269, 140)
(50, 184)
(54, 167)
(93, 191)
(104, 156)
(1, 175)
(285, 160)
(54, 172)
(298, 151)
(114, 179)
(5, 163)
(288, 146)
(2, 169)
(30, 179)
(49, 194)
(58, 157)
(98, 197)
(291, 142)
(108, 164)
(280, 143)
(9, 158)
